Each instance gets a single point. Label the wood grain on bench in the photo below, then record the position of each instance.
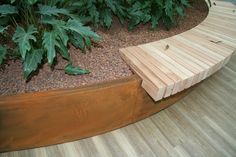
(171, 65)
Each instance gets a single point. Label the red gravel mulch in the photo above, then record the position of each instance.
(103, 61)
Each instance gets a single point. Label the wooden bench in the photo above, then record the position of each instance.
(171, 65)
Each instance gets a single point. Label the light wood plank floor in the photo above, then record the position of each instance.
(203, 124)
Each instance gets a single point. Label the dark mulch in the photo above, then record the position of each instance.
(103, 60)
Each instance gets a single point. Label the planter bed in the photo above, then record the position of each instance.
(103, 61)
(38, 113)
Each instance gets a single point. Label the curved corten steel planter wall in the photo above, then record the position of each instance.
(46, 118)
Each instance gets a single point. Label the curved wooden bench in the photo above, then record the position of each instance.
(45, 118)
(171, 65)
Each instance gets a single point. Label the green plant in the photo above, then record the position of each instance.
(143, 11)
(100, 12)
(43, 28)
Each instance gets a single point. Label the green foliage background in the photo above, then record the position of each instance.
(44, 28)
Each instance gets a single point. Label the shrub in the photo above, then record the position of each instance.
(100, 12)
(43, 28)
(143, 11)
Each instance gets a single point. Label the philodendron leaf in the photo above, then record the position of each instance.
(180, 11)
(62, 34)
(23, 39)
(7, 9)
(64, 51)
(77, 40)
(71, 70)
(49, 43)
(52, 10)
(107, 15)
(31, 62)
(59, 28)
(76, 26)
(88, 42)
(3, 52)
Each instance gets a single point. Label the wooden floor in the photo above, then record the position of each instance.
(203, 124)
(171, 65)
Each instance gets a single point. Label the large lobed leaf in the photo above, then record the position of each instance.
(155, 10)
(76, 26)
(49, 43)
(101, 12)
(6, 9)
(63, 50)
(32, 60)
(77, 40)
(52, 10)
(107, 17)
(23, 39)
(59, 28)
